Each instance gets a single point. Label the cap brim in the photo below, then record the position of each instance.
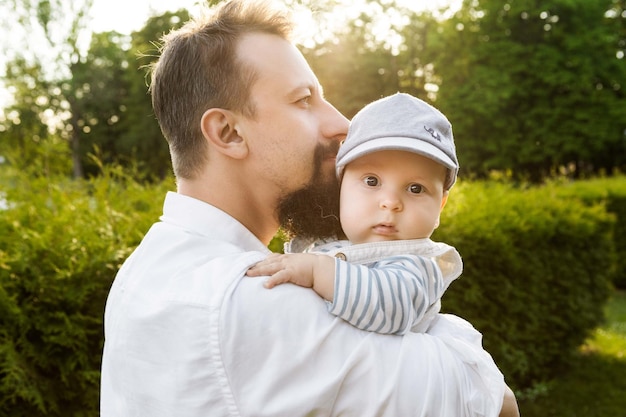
(396, 144)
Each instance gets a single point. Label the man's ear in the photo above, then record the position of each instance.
(219, 129)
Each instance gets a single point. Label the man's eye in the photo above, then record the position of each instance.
(415, 188)
(371, 181)
(305, 100)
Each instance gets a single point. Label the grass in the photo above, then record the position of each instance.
(595, 384)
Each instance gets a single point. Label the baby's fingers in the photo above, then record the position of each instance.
(268, 266)
(278, 278)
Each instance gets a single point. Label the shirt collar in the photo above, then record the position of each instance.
(201, 218)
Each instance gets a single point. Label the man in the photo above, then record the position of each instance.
(185, 333)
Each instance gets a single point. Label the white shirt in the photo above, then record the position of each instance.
(188, 335)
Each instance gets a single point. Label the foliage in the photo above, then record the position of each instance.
(61, 243)
(357, 66)
(534, 87)
(26, 136)
(97, 92)
(610, 338)
(42, 72)
(535, 261)
(612, 193)
(594, 384)
(336, 63)
(95, 99)
(537, 273)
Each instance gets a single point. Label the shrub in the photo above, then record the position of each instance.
(61, 244)
(612, 193)
(537, 270)
(536, 276)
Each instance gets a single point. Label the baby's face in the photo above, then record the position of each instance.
(391, 195)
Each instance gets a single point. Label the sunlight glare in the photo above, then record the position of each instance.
(312, 28)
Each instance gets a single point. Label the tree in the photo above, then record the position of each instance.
(373, 54)
(96, 98)
(27, 142)
(97, 93)
(352, 71)
(534, 87)
(60, 26)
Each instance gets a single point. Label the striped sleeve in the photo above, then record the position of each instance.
(390, 296)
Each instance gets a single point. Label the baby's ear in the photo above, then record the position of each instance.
(444, 200)
(219, 129)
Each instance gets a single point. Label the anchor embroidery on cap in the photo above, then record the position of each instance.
(433, 133)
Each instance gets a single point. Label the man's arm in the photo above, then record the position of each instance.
(303, 269)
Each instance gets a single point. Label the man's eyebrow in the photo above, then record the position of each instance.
(296, 92)
(311, 88)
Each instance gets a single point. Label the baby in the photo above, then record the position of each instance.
(396, 168)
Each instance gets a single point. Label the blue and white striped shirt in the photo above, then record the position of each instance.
(391, 287)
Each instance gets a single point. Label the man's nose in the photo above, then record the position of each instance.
(335, 125)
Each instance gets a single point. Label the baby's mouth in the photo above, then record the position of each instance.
(385, 229)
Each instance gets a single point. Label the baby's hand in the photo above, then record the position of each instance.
(303, 269)
(295, 268)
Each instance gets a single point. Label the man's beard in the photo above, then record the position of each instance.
(313, 212)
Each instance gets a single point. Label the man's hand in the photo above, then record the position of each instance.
(509, 405)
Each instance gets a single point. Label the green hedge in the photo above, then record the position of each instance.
(61, 244)
(612, 193)
(537, 272)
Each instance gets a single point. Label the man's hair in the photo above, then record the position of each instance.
(199, 69)
(313, 212)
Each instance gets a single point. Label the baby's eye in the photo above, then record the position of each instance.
(415, 188)
(370, 181)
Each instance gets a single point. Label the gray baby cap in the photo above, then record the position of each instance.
(404, 123)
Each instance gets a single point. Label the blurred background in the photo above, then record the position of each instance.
(532, 88)
(535, 91)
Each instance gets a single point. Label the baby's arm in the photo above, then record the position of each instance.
(390, 297)
(304, 269)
